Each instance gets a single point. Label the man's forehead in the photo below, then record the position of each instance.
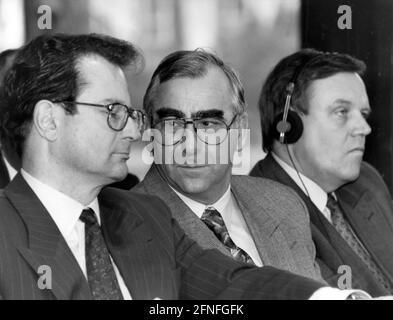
(193, 95)
(104, 80)
(344, 87)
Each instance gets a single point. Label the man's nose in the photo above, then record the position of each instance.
(361, 126)
(132, 130)
(189, 138)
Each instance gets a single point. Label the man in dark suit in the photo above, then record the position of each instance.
(65, 103)
(265, 222)
(319, 155)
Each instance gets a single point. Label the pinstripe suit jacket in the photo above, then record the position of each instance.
(275, 216)
(152, 253)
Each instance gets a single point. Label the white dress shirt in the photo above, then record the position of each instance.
(317, 195)
(65, 212)
(233, 219)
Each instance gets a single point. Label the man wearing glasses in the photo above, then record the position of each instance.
(65, 104)
(195, 103)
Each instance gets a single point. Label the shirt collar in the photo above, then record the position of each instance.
(198, 208)
(317, 195)
(64, 210)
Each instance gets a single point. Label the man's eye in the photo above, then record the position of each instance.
(366, 115)
(115, 115)
(341, 112)
(209, 123)
(173, 122)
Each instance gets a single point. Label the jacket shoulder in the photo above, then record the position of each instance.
(271, 195)
(264, 186)
(370, 179)
(144, 204)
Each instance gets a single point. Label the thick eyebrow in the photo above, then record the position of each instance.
(169, 112)
(211, 113)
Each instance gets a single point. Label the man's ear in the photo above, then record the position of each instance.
(44, 119)
(243, 131)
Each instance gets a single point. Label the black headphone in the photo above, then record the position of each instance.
(288, 125)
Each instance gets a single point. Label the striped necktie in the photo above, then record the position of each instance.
(344, 229)
(214, 221)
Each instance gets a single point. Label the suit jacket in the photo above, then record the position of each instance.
(275, 216)
(153, 255)
(367, 206)
(127, 183)
(4, 175)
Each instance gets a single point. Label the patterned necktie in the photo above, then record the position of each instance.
(100, 272)
(345, 230)
(212, 218)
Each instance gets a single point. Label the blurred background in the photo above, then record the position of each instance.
(251, 35)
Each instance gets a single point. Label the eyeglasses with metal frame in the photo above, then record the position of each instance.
(211, 131)
(118, 114)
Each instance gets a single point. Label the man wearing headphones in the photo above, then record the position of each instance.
(314, 108)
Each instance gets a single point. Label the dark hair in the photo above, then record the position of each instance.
(47, 69)
(6, 60)
(192, 64)
(302, 68)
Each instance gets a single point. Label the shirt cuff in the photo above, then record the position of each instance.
(328, 293)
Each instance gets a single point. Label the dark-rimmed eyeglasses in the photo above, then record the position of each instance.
(117, 114)
(212, 131)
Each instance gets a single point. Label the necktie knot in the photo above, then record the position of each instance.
(211, 213)
(331, 201)
(88, 217)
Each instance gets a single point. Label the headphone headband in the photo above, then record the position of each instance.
(289, 125)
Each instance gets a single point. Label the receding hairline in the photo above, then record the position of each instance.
(206, 72)
(309, 91)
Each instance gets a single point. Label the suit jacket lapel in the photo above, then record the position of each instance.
(127, 238)
(4, 176)
(46, 246)
(276, 173)
(264, 229)
(187, 219)
(133, 249)
(371, 228)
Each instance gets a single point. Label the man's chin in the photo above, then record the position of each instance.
(119, 174)
(351, 175)
(191, 186)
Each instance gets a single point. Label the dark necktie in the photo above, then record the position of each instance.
(212, 218)
(100, 272)
(345, 230)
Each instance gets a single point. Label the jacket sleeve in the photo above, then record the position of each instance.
(208, 274)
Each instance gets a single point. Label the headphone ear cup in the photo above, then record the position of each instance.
(293, 128)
